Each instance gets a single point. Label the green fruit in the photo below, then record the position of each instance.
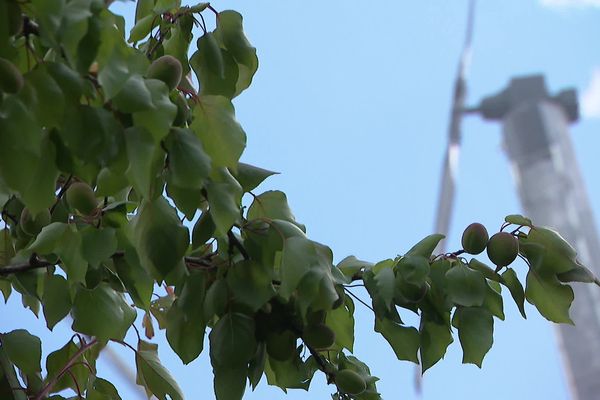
(318, 336)
(475, 238)
(11, 79)
(350, 382)
(82, 198)
(167, 69)
(502, 249)
(281, 346)
(33, 224)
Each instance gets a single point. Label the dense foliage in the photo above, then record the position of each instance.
(108, 147)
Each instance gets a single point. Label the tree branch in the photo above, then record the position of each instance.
(46, 389)
(36, 263)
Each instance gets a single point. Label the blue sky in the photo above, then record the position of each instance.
(350, 104)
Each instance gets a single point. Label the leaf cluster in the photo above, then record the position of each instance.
(116, 186)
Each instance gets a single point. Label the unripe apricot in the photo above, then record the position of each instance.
(82, 198)
(349, 381)
(502, 249)
(281, 346)
(11, 79)
(474, 238)
(167, 69)
(319, 336)
(33, 224)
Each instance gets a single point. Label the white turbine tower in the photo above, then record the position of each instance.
(551, 191)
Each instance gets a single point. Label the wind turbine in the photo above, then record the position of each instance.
(450, 166)
(551, 190)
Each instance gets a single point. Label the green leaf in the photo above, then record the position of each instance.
(385, 282)
(578, 274)
(549, 296)
(189, 165)
(103, 390)
(404, 340)
(48, 239)
(27, 157)
(217, 299)
(215, 68)
(98, 245)
(230, 383)
(435, 339)
(204, 228)
(101, 312)
(513, 284)
(143, 8)
(298, 256)
(341, 321)
(145, 160)
(160, 237)
(414, 269)
(134, 96)
(23, 349)
(162, 6)
(232, 342)
(185, 320)
(475, 331)
(231, 34)
(351, 265)
(271, 205)
(518, 219)
(548, 252)
(222, 136)
(465, 286)
(224, 197)
(50, 101)
(135, 278)
(7, 250)
(488, 272)
(155, 377)
(251, 283)
(493, 300)
(101, 142)
(69, 252)
(56, 301)
(250, 176)
(157, 121)
(79, 372)
(426, 246)
(187, 201)
(6, 289)
(117, 62)
(143, 27)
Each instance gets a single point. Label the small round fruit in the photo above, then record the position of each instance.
(281, 346)
(318, 336)
(167, 69)
(502, 249)
(33, 224)
(349, 381)
(11, 79)
(474, 238)
(82, 198)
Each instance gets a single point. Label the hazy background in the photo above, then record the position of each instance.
(351, 104)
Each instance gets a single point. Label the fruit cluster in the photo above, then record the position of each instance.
(502, 248)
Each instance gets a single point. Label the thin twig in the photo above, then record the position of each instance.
(48, 388)
(358, 299)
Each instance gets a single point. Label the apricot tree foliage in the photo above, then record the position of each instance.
(109, 153)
